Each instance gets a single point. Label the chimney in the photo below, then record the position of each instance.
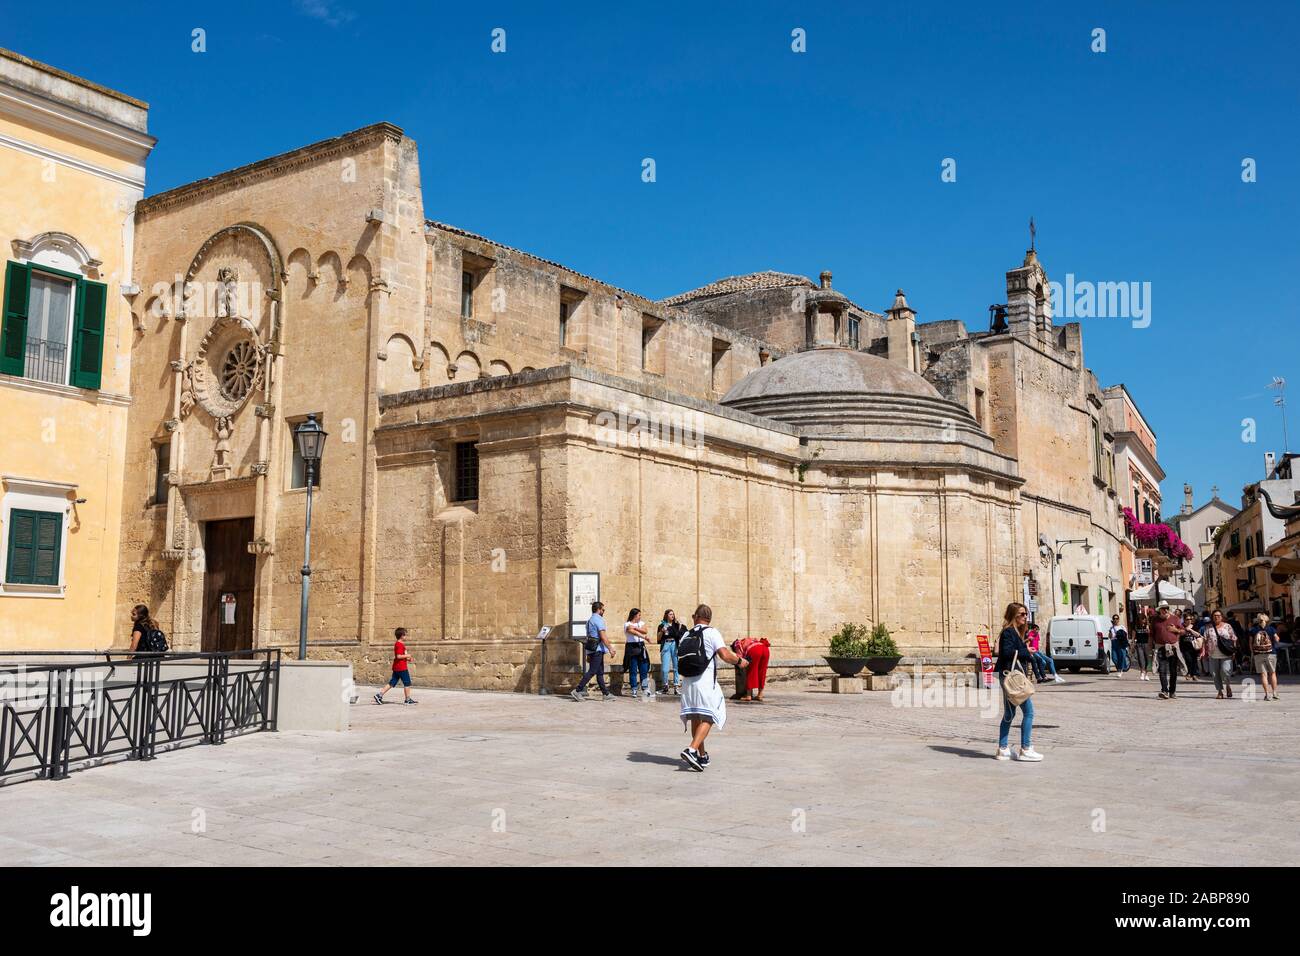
(826, 278)
(900, 328)
(1187, 499)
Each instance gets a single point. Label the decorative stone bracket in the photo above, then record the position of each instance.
(265, 410)
(259, 468)
(260, 546)
(175, 554)
(172, 424)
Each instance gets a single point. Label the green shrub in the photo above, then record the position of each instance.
(850, 641)
(880, 644)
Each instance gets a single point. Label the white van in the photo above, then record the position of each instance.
(1079, 640)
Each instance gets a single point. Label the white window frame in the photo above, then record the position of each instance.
(33, 494)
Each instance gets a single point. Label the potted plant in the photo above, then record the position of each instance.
(882, 652)
(848, 652)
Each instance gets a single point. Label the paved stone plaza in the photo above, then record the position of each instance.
(808, 778)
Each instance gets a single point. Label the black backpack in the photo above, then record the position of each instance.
(153, 641)
(692, 658)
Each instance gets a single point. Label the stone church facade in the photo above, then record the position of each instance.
(498, 421)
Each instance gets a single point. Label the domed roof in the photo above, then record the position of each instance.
(829, 371)
(841, 394)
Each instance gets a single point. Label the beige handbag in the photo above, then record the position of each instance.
(1015, 684)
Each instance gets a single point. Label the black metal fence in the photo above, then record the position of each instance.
(57, 717)
(46, 361)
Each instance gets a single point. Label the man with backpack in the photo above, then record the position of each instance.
(703, 703)
(1263, 652)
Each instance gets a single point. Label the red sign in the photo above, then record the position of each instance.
(986, 660)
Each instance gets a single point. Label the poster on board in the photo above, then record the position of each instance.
(584, 587)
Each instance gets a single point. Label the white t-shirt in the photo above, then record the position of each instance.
(713, 642)
(632, 636)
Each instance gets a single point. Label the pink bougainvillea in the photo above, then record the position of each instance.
(1159, 536)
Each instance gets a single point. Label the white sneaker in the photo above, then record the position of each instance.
(1059, 679)
(1004, 753)
(1118, 675)
(1028, 753)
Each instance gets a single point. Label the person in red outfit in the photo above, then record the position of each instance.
(750, 682)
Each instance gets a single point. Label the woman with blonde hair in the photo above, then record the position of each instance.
(1012, 652)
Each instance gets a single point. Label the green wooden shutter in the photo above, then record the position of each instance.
(88, 333)
(22, 547)
(35, 539)
(49, 536)
(13, 338)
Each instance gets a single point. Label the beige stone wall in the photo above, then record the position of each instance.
(729, 523)
(341, 282)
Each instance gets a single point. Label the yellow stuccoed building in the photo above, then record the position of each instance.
(72, 160)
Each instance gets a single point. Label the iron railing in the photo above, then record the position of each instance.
(46, 361)
(58, 717)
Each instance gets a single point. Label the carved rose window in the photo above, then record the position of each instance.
(239, 371)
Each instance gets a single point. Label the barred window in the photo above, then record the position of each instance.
(466, 471)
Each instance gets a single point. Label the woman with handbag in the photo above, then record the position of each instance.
(636, 656)
(1222, 644)
(1017, 691)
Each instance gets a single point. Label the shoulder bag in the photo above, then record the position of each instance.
(1015, 685)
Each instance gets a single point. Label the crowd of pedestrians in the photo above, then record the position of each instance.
(1208, 646)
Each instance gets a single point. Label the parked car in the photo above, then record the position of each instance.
(1079, 640)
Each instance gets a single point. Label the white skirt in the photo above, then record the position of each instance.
(703, 697)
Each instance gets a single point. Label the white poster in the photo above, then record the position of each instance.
(227, 609)
(584, 587)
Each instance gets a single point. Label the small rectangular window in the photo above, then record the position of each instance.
(298, 470)
(717, 382)
(855, 326)
(979, 407)
(466, 465)
(162, 465)
(653, 358)
(564, 324)
(467, 295)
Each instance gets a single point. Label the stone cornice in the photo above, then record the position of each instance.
(266, 168)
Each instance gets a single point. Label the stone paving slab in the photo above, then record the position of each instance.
(810, 778)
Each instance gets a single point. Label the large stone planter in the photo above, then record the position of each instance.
(882, 665)
(847, 666)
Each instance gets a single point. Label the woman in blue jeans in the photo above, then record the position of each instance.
(670, 631)
(637, 655)
(1013, 652)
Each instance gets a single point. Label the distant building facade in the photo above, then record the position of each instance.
(498, 421)
(1198, 527)
(72, 165)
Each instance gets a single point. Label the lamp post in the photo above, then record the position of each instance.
(1087, 549)
(311, 442)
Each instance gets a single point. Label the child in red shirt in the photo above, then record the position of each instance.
(401, 670)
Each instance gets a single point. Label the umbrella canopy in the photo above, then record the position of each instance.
(1168, 592)
(1254, 604)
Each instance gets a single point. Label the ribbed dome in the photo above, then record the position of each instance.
(843, 393)
(830, 370)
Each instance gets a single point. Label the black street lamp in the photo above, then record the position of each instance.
(311, 443)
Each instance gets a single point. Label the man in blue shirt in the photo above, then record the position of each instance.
(596, 646)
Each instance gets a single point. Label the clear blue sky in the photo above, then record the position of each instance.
(1129, 160)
